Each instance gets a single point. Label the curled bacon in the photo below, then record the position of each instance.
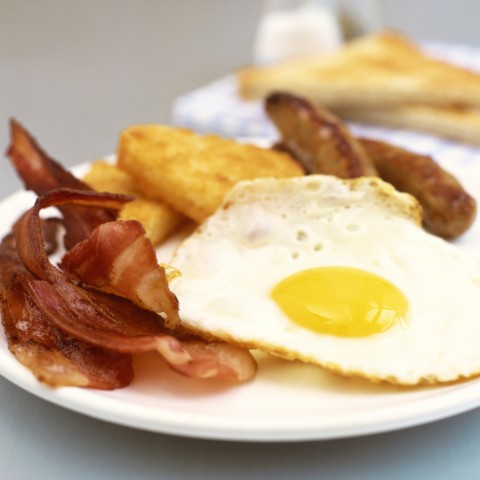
(69, 334)
(123, 327)
(28, 234)
(42, 174)
(217, 360)
(147, 285)
(54, 357)
(119, 258)
(108, 320)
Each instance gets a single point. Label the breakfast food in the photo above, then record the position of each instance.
(416, 322)
(380, 69)
(448, 210)
(318, 138)
(325, 145)
(193, 172)
(78, 325)
(54, 357)
(329, 271)
(379, 78)
(41, 174)
(158, 218)
(457, 122)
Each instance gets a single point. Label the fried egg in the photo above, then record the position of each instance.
(337, 273)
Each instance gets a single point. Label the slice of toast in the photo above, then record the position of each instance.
(455, 122)
(383, 69)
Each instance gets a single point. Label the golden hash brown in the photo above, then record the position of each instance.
(158, 218)
(193, 172)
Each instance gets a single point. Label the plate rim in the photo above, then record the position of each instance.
(449, 400)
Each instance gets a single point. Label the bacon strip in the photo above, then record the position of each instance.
(116, 324)
(28, 233)
(218, 360)
(108, 320)
(125, 328)
(148, 287)
(62, 304)
(120, 259)
(42, 174)
(54, 357)
(78, 311)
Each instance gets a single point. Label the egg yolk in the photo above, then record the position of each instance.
(341, 301)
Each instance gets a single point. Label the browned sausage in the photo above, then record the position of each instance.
(325, 145)
(448, 210)
(317, 138)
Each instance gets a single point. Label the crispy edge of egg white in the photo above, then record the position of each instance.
(399, 203)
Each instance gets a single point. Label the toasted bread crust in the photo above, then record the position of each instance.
(381, 69)
(460, 123)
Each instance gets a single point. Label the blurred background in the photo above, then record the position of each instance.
(76, 73)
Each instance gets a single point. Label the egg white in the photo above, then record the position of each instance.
(269, 229)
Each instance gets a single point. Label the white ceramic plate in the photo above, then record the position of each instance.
(286, 401)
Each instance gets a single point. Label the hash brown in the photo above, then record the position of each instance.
(158, 218)
(193, 172)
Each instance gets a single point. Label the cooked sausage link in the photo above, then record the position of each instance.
(448, 210)
(325, 145)
(317, 138)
